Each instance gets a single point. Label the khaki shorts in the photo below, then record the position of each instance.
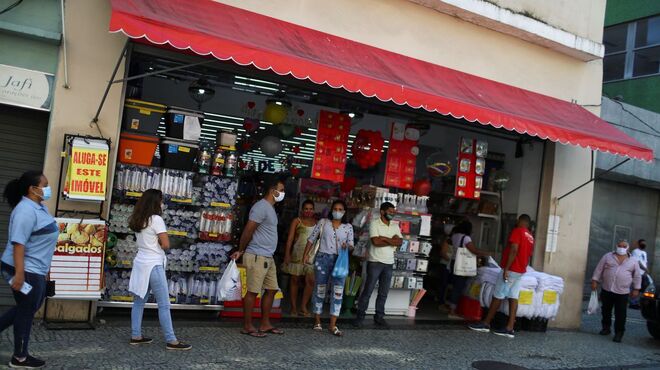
(261, 273)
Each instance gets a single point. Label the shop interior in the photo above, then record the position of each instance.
(207, 211)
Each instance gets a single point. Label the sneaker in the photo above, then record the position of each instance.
(379, 321)
(605, 332)
(143, 340)
(29, 363)
(504, 333)
(179, 346)
(480, 327)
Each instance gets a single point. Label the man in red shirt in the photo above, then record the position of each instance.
(515, 259)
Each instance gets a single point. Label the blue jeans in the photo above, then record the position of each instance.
(381, 273)
(323, 265)
(158, 285)
(22, 315)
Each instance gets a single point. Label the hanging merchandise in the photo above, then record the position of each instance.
(271, 146)
(331, 146)
(277, 111)
(218, 192)
(367, 148)
(87, 172)
(218, 162)
(231, 162)
(401, 157)
(438, 165)
(471, 168)
(422, 187)
(204, 160)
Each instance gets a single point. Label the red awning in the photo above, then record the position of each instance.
(229, 33)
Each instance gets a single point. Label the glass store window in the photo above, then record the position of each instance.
(632, 49)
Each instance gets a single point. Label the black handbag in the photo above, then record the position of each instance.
(50, 288)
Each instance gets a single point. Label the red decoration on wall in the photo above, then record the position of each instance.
(331, 146)
(349, 184)
(368, 148)
(470, 168)
(422, 187)
(401, 157)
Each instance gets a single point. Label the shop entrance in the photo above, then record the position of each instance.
(275, 121)
(23, 134)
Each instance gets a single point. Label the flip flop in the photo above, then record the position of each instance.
(255, 334)
(336, 332)
(275, 331)
(317, 327)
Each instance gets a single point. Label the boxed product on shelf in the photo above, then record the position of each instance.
(422, 265)
(137, 148)
(215, 225)
(178, 154)
(413, 247)
(183, 124)
(142, 116)
(425, 248)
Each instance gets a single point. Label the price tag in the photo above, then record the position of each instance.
(220, 204)
(181, 200)
(121, 298)
(133, 194)
(475, 291)
(525, 297)
(204, 301)
(177, 233)
(549, 297)
(126, 263)
(184, 149)
(213, 235)
(172, 300)
(209, 269)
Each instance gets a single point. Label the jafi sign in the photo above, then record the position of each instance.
(25, 88)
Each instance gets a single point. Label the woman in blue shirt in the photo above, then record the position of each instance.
(25, 263)
(335, 233)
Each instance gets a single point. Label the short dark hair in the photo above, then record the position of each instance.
(525, 217)
(465, 228)
(386, 205)
(641, 242)
(306, 202)
(271, 184)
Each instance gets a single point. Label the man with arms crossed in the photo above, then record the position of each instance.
(515, 259)
(385, 240)
(257, 246)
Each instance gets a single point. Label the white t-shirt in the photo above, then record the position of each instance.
(641, 256)
(456, 240)
(149, 254)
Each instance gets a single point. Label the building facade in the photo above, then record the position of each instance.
(551, 48)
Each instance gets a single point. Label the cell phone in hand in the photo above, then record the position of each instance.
(25, 289)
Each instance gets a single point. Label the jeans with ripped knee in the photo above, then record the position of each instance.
(323, 265)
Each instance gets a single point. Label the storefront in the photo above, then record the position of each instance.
(275, 117)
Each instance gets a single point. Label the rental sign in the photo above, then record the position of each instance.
(87, 173)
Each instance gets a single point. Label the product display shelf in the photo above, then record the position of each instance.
(174, 306)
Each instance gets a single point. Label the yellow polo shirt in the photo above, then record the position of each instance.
(383, 254)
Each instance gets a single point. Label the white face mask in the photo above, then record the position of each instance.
(280, 196)
(337, 215)
(621, 251)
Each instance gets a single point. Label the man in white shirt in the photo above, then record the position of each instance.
(385, 240)
(640, 254)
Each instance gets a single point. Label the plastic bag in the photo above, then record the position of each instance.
(230, 284)
(341, 265)
(594, 306)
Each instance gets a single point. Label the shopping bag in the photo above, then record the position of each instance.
(465, 263)
(230, 284)
(341, 265)
(594, 306)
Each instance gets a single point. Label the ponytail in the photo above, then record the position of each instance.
(17, 188)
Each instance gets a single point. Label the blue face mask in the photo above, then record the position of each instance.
(47, 193)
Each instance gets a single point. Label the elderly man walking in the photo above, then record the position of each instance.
(616, 272)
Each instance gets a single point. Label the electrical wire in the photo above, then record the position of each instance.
(10, 7)
(623, 107)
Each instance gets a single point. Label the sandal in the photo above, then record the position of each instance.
(272, 331)
(317, 327)
(305, 314)
(253, 333)
(336, 332)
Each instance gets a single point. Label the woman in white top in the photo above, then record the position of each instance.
(460, 238)
(149, 268)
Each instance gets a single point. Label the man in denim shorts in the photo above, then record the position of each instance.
(515, 258)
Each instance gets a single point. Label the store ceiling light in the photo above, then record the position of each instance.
(201, 91)
(354, 115)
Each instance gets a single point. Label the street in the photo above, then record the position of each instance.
(219, 345)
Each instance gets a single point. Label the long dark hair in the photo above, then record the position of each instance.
(17, 188)
(344, 220)
(147, 206)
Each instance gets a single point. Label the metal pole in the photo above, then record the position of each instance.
(591, 180)
(163, 71)
(107, 88)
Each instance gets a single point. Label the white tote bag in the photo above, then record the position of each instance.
(465, 263)
(230, 288)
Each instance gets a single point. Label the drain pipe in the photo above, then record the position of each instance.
(64, 56)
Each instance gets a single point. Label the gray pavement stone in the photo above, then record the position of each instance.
(434, 347)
